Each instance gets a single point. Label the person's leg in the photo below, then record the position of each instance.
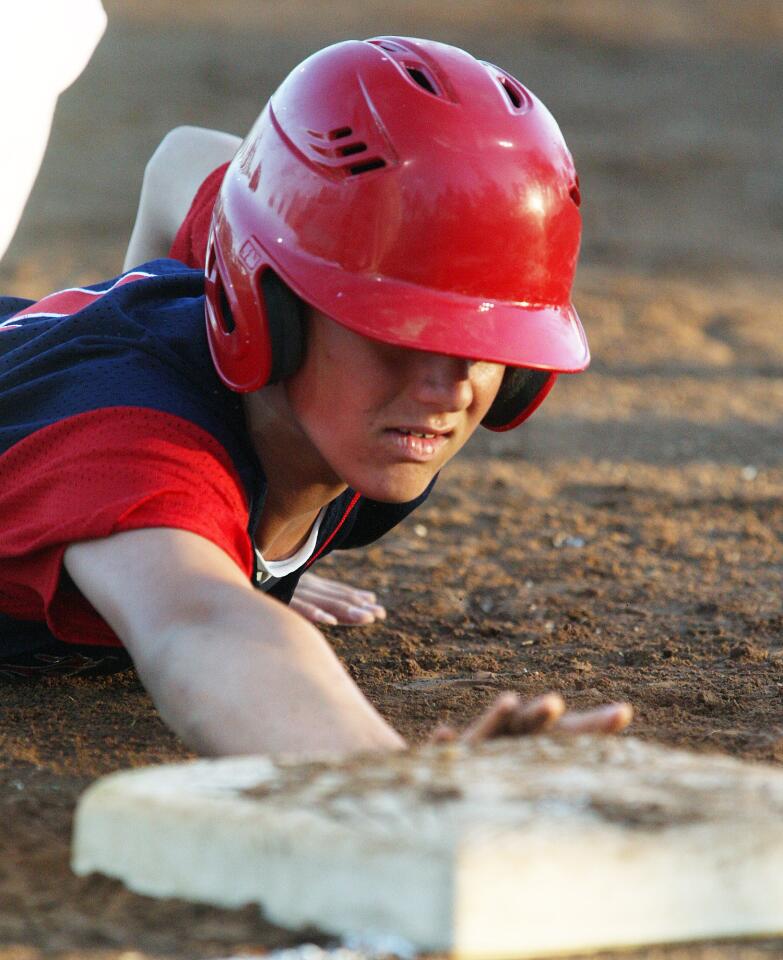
(48, 43)
(173, 174)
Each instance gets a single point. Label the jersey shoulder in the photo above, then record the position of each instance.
(137, 340)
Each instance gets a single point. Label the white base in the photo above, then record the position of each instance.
(519, 848)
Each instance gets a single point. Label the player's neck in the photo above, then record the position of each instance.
(299, 481)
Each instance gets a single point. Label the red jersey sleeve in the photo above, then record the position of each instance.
(190, 243)
(96, 474)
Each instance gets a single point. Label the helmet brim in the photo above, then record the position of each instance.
(539, 336)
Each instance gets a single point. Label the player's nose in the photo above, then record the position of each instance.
(442, 382)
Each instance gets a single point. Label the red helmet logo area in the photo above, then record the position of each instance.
(415, 195)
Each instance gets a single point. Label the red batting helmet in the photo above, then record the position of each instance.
(417, 196)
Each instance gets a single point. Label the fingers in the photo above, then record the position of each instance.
(611, 718)
(443, 733)
(332, 602)
(315, 583)
(312, 612)
(509, 716)
(330, 611)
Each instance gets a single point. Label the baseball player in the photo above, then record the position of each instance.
(173, 219)
(389, 266)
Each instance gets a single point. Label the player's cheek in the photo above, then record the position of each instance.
(487, 378)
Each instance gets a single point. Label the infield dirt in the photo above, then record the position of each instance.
(627, 543)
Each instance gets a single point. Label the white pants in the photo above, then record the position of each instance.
(47, 44)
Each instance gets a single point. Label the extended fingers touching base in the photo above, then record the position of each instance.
(510, 716)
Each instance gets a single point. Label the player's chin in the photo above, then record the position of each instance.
(399, 484)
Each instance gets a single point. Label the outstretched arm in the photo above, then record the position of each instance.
(172, 176)
(231, 670)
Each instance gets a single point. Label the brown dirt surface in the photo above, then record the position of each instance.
(627, 543)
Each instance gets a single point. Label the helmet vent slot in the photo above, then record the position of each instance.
(575, 194)
(338, 156)
(226, 315)
(512, 94)
(367, 165)
(415, 66)
(351, 148)
(209, 265)
(423, 79)
(389, 45)
(517, 97)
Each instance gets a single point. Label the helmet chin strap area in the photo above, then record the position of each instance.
(286, 313)
(520, 393)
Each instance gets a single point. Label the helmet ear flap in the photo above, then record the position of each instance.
(521, 392)
(285, 321)
(255, 327)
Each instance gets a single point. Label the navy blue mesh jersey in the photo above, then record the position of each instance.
(112, 418)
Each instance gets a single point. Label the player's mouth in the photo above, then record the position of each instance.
(418, 444)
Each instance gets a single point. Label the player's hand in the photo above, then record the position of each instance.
(330, 601)
(510, 716)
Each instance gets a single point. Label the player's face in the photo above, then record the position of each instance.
(385, 418)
